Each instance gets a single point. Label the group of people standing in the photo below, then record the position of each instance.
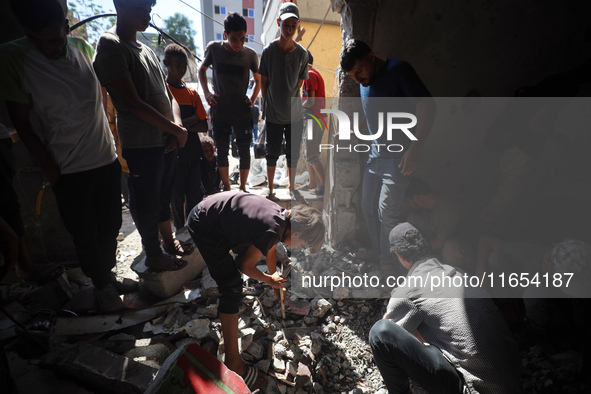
(53, 84)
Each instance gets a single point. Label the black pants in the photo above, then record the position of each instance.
(223, 132)
(222, 266)
(89, 204)
(400, 356)
(186, 190)
(10, 209)
(151, 178)
(293, 140)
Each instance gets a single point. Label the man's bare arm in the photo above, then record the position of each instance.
(247, 266)
(256, 88)
(310, 101)
(210, 97)
(126, 91)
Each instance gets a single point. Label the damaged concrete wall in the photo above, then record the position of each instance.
(459, 48)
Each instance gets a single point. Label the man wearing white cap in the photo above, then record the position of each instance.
(283, 69)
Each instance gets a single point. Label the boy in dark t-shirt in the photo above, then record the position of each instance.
(250, 226)
(231, 118)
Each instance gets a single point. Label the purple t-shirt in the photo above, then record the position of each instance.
(241, 218)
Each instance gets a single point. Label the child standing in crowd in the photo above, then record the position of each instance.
(149, 124)
(186, 191)
(231, 116)
(211, 182)
(284, 67)
(55, 104)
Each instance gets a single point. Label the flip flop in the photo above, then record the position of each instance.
(165, 262)
(304, 188)
(270, 195)
(179, 248)
(318, 190)
(296, 195)
(251, 378)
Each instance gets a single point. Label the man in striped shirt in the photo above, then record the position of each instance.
(448, 339)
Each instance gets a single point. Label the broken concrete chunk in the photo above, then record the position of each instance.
(107, 371)
(198, 328)
(122, 337)
(292, 368)
(320, 307)
(256, 350)
(165, 284)
(317, 342)
(278, 365)
(244, 342)
(210, 311)
(263, 365)
(304, 376)
(269, 301)
(158, 352)
(280, 350)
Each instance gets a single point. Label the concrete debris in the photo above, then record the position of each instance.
(198, 328)
(107, 371)
(158, 352)
(256, 350)
(320, 307)
(320, 347)
(278, 365)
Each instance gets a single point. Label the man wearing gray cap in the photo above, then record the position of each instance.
(447, 339)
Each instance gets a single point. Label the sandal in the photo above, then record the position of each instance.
(318, 190)
(268, 194)
(165, 262)
(179, 248)
(304, 188)
(253, 379)
(297, 196)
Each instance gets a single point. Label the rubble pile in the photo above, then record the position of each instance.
(320, 345)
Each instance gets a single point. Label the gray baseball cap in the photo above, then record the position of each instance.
(398, 233)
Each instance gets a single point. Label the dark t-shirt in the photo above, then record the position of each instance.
(396, 79)
(284, 71)
(241, 218)
(230, 80)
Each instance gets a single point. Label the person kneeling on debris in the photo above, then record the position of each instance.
(447, 339)
(250, 226)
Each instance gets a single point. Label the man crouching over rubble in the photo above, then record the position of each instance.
(449, 340)
(250, 226)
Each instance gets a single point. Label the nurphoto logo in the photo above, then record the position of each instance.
(394, 122)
